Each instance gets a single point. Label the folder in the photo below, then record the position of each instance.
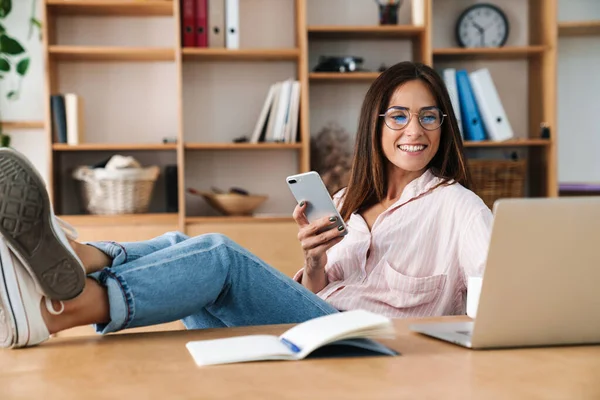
(449, 76)
(201, 23)
(490, 106)
(216, 23)
(472, 125)
(188, 23)
(232, 23)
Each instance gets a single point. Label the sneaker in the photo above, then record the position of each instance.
(21, 321)
(33, 232)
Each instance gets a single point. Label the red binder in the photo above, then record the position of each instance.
(188, 23)
(201, 23)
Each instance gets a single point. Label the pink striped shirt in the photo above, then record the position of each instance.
(422, 249)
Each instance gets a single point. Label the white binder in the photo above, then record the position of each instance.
(492, 112)
(216, 23)
(449, 75)
(232, 24)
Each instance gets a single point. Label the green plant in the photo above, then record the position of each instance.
(14, 59)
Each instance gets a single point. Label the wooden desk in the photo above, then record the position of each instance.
(157, 365)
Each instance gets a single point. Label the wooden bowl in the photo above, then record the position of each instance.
(233, 203)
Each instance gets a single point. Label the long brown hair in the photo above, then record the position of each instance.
(368, 180)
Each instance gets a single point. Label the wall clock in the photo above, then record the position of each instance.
(482, 25)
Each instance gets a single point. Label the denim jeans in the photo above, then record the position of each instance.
(208, 281)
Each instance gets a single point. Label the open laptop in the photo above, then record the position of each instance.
(541, 284)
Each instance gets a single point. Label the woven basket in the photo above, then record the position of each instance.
(496, 179)
(123, 191)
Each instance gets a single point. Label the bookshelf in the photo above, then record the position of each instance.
(194, 77)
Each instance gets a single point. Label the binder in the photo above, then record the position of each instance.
(216, 23)
(188, 23)
(201, 14)
(492, 112)
(232, 23)
(472, 125)
(449, 76)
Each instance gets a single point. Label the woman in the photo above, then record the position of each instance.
(415, 233)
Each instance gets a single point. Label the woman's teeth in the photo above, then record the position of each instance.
(412, 148)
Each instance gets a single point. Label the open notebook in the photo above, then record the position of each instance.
(349, 330)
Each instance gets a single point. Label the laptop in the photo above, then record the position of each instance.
(541, 284)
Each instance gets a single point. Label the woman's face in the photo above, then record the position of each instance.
(411, 148)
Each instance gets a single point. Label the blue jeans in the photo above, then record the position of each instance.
(208, 281)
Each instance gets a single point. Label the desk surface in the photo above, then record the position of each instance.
(157, 365)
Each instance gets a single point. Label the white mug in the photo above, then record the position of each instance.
(473, 291)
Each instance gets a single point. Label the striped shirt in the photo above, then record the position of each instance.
(416, 259)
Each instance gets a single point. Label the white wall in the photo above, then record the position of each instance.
(29, 106)
(578, 97)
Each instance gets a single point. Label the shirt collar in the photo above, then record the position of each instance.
(418, 187)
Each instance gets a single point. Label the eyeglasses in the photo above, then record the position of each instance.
(430, 118)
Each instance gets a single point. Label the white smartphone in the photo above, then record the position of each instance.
(309, 187)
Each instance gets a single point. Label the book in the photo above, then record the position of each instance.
(350, 330)
(188, 23)
(74, 118)
(59, 118)
(497, 125)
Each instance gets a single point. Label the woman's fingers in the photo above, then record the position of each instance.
(310, 240)
(299, 215)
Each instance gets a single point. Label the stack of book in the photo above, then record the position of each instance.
(278, 119)
(67, 118)
(477, 106)
(210, 23)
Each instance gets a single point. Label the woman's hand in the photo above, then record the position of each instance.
(316, 239)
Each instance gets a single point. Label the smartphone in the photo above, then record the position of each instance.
(309, 187)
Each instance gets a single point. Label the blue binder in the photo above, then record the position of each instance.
(471, 119)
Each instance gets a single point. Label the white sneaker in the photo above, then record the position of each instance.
(21, 321)
(33, 232)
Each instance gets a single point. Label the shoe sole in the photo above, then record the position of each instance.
(8, 325)
(26, 223)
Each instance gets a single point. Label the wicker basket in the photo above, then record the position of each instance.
(121, 191)
(496, 179)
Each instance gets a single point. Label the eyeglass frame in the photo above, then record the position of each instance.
(410, 117)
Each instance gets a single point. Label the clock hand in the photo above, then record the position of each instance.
(477, 26)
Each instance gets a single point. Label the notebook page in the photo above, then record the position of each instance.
(238, 349)
(307, 336)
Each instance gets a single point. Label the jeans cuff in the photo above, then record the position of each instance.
(120, 301)
(114, 250)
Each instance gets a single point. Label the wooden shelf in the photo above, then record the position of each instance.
(113, 147)
(508, 143)
(235, 219)
(216, 54)
(364, 32)
(347, 76)
(125, 219)
(13, 125)
(579, 28)
(111, 7)
(242, 146)
(85, 53)
(508, 52)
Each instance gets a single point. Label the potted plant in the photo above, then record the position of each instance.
(14, 59)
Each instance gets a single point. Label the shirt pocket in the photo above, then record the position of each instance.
(407, 291)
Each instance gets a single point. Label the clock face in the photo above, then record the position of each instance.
(482, 25)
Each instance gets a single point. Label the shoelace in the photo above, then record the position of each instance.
(50, 307)
(69, 230)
